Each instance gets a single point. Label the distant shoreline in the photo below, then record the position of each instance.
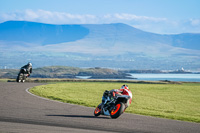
(65, 72)
(47, 80)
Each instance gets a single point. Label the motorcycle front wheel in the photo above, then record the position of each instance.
(97, 111)
(117, 111)
(19, 77)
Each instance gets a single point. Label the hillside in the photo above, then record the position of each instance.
(45, 34)
(95, 45)
(40, 34)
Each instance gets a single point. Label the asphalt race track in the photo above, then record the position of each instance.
(21, 112)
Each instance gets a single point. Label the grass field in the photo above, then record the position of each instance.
(3, 80)
(173, 101)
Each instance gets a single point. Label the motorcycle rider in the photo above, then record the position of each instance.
(26, 69)
(114, 102)
(124, 90)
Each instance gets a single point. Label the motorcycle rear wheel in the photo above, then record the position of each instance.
(117, 111)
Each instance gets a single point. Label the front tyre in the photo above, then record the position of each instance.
(24, 78)
(117, 111)
(19, 77)
(97, 111)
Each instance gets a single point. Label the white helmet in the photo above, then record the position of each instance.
(30, 64)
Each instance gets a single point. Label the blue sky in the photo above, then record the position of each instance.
(157, 16)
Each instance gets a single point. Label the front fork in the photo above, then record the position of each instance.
(107, 106)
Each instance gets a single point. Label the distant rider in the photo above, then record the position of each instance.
(123, 91)
(26, 69)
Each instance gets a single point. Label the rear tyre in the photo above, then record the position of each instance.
(97, 111)
(117, 111)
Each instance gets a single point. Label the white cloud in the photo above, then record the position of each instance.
(195, 22)
(132, 17)
(151, 24)
(48, 17)
(62, 17)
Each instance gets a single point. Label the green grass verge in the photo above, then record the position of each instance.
(173, 101)
(6, 80)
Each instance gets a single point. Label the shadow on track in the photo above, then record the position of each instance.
(80, 116)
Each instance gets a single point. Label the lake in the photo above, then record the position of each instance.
(171, 77)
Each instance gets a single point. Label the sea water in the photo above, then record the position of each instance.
(171, 77)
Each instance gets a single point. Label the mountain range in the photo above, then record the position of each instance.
(114, 45)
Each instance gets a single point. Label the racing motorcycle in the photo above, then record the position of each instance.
(22, 76)
(110, 106)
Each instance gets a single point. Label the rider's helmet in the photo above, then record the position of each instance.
(30, 64)
(124, 87)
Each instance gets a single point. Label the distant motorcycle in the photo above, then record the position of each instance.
(22, 76)
(112, 107)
